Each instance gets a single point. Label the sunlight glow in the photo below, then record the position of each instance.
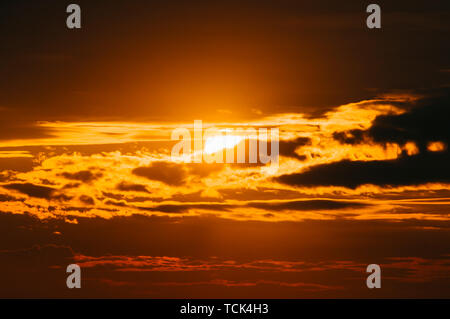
(218, 143)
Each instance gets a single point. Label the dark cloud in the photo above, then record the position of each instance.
(71, 185)
(197, 196)
(87, 199)
(115, 203)
(299, 205)
(8, 198)
(406, 170)
(168, 173)
(126, 187)
(38, 191)
(84, 176)
(32, 190)
(73, 209)
(173, 208)
(425, 120)
(61, 197)
(5, 176)
(287, 148)
(308, 205)
(355, 136)
(169, 208)
(113, 195)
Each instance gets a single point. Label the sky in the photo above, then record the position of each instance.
(87, 176)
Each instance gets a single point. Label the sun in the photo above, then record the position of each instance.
(217, 143)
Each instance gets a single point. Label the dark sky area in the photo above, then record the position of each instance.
(142, 60)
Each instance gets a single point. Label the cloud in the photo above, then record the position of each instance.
(8, 198)
(131, 187)
(299, 205)
(426, 120)
(87, 200)
(169, 208)
(71, 185)
(287, 148)
(38, 191)
(423, 121)
(414, 269)
(355, 136)
(406, 170)
(32, 190)
(168, 173)
(84, 176)
(306, 205)
(175, 174)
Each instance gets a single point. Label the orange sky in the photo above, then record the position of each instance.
(87, 177)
